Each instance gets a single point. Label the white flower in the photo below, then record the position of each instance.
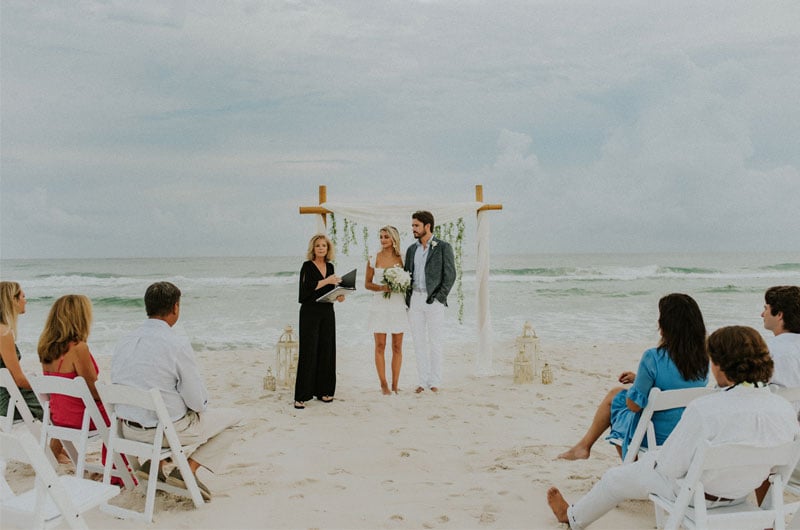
(434, 243)
(398, 280)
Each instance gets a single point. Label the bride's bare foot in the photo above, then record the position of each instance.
(558, 504)
(385, 389)
(576, 453)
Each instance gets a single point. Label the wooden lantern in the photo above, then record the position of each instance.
(286, 352)
(547, 374)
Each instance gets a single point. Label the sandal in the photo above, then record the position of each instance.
(299, 405)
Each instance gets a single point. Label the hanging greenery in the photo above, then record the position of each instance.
(365, 247)
(445, 232)
(333, 229)
(451, 232)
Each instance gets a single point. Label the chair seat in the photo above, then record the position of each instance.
(84, 495)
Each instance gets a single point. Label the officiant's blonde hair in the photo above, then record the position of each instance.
(395, 235)
(330, 256)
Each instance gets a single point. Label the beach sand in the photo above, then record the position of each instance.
(479, 454)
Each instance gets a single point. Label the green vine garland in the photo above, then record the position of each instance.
(451, 232)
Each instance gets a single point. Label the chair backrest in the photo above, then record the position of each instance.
(790, 394)
(659, 400)
(15, 402)
(46, 385)
(734, 457)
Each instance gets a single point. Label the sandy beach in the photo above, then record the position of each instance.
(480, 454)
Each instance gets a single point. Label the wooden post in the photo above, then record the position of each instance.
(479, 198)
(323, 212)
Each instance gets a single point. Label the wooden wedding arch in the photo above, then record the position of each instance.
(400, 215)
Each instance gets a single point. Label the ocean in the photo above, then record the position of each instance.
(244, 303)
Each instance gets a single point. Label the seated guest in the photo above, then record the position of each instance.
(12, 304)
(744, 412)
(154, 356)
(782, 317)
(679, 361)
(63, 352)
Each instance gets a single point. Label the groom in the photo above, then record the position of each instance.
(433, 272)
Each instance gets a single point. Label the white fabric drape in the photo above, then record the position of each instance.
(399, 216)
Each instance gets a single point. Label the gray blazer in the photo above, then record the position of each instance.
(440, 270)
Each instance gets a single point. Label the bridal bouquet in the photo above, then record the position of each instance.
(398, 280)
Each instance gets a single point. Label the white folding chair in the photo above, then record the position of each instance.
(154, 451)
(54, 499)
(792, 482)
(659, 400)
(771, 514)
(15, 402)
(76, 440)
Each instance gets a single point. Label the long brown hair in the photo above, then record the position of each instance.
(683, 335)
(69, 321)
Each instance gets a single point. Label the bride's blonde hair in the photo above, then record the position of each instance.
(395, 235)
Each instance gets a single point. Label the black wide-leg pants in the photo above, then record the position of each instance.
(316, 367)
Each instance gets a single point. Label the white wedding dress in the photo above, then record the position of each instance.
(386, 315)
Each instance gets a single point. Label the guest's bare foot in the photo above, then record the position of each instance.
(419, 390)
(385, 389)
(558, 504)
(576, 453)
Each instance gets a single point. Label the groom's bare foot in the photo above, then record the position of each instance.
(576, 453)
(434, 389)
(558, 504)
(419, 390)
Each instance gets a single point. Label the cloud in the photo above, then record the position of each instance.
(192, 128)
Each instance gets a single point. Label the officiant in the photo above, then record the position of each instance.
(316, 367)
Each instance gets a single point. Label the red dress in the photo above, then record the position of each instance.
(67, 411)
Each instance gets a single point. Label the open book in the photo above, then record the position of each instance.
(345, 287)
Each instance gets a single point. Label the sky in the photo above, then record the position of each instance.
(197, 128)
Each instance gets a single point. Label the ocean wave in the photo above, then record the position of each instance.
(118, 301)
(645, 272)
(784, 267)
(110, 281)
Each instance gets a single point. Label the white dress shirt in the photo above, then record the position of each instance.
(739, 415)
(155, 356)
(785, 351)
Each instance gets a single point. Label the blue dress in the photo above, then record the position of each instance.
(656, 369)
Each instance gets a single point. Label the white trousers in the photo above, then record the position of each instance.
(210, 429)
(628, 481)
(427, 327)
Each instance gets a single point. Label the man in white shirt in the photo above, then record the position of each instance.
(745, 412)
(782, 317)
(154, 356)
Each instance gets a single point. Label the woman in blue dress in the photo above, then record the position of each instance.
(679, 361)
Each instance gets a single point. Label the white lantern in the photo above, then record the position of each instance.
(523, 371)
(286, 352)
(269, 380)
(528, 346)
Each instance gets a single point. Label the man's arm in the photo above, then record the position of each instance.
(190, 383)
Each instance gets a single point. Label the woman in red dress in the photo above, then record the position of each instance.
(63, 352)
